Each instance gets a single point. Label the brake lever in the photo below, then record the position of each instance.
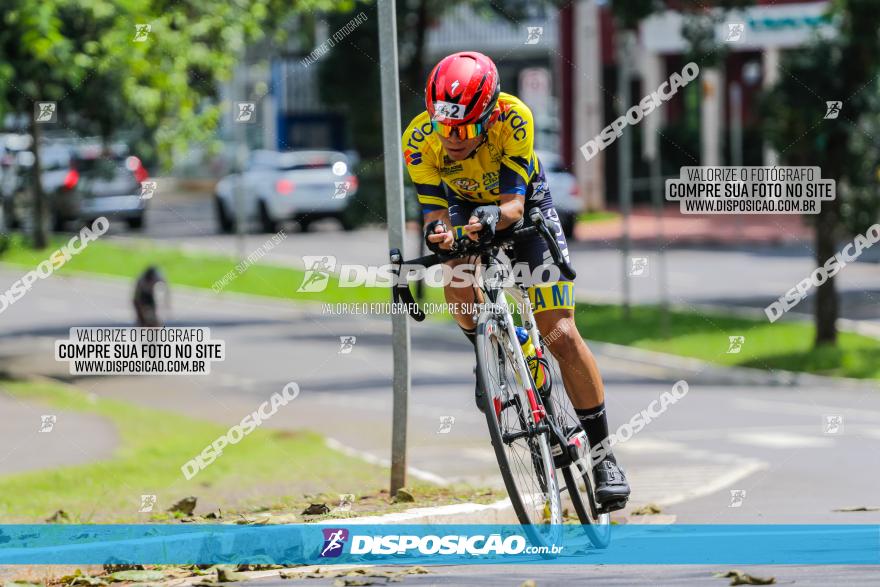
(400, 292)
(549, 229)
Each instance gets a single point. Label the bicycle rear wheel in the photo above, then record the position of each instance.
(578, 475)
(521, 448)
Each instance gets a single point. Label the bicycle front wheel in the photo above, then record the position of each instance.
(522, 448)
(578, 474)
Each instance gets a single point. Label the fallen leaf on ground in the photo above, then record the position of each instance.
(257, 520)
(185, 506)
(59, 516)
(647, 510)
(136, 576)
(229, 575)
(740, 578)
(112, 568)
(180, 572)
(548, 513)
(393, 576)
(416, 571)
(861, 508)
(20, 584)
(403, 496)
(529, 583)
(87, 580)
(352, 582)
(258, 567)
(69, 578)
(316, 509)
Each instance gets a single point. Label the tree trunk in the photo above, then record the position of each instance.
(826, 310)
(38, 208)
(417, 64)
(827, 304)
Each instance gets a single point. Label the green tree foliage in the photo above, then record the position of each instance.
(82, 55)
(843, 68)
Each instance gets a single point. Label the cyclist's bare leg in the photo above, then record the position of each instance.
(461, 297)
(580, 373)
(585, 390)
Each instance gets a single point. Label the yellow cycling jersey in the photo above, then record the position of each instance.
(505, 163)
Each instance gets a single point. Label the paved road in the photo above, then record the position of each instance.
(768, 442)
(750, 277)
(611, 575)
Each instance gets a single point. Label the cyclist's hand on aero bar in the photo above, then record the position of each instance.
(481, 225)
(438, 237)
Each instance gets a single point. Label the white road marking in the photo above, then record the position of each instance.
(848, 410)
(374, 460)
(669, 485)
(699, 472)
(782, 439)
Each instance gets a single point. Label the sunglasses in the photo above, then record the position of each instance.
(462, 131)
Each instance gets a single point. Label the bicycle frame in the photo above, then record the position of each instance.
(498, 304)
(547, 413)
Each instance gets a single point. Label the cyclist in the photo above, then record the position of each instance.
(471, 157)
(145, 304)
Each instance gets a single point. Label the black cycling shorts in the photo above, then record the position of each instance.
(547, 290)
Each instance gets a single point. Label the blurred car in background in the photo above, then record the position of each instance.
(15, 159)
(82, 181)
(563, 189)
(303, 186)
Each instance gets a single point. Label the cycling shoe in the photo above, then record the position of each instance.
(612, 489)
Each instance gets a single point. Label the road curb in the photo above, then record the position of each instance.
(499, 512)
(694, 370)
(665, 365)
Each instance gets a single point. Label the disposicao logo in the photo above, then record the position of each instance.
(334, 540)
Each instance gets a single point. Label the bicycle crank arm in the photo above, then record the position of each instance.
(511, 437)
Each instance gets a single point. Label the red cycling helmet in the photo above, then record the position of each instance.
(462, 90)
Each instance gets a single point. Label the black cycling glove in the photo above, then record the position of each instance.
(488, 216)
(429, 230)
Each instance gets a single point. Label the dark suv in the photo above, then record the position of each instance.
(101, 184)
(82, 183)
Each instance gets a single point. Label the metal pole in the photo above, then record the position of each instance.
(624, 161)
(394, 203)
(587, 99)
(736, 139)
(652, 66)
(662, 283)
(241, 154)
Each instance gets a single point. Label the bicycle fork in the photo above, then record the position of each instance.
(563, 449)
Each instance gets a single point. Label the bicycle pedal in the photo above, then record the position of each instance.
(612, 506)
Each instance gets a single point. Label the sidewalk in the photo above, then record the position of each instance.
(721, 229)
(72, 439)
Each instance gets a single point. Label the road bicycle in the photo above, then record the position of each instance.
(533, 431)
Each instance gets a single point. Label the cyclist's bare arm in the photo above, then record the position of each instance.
(444, 238)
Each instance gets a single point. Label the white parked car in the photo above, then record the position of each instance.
(563, 189)
(294, 185)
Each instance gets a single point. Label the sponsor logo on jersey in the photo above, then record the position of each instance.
(412, 157)
(449, 166)
(490, 180)
(466, 184)
(552, 296)
(494, 153)
(418, 134)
